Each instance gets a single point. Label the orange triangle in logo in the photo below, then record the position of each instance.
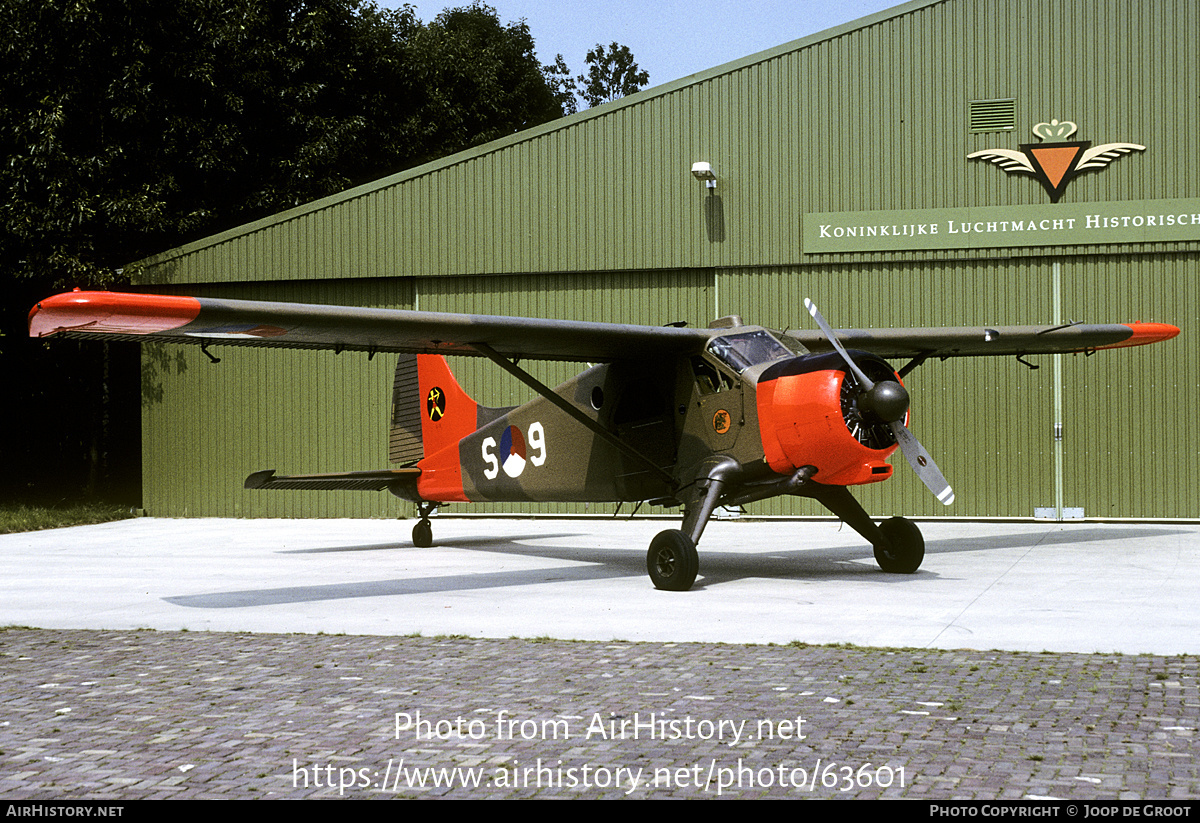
(1055, 162)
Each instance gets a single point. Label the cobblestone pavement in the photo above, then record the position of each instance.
(143, 714)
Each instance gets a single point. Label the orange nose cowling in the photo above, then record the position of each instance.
(800, 416)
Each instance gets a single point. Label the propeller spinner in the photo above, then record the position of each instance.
(888, 400)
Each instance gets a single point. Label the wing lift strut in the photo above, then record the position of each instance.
(566, 407)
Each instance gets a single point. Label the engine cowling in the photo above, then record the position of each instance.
(812, 412)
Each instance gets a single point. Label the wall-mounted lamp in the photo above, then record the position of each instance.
(704, 171)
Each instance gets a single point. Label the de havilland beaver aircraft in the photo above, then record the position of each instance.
(677, 416)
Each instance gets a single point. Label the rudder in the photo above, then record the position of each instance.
(430, 410)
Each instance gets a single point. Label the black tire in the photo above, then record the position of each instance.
(423, 534)
(672, 561)
(907, 546)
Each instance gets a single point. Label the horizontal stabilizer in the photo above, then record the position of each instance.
(400, 482)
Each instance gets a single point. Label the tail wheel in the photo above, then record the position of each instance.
(905, 549)
(672, 561)
(422, 536)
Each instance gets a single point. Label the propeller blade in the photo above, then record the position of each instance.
(914, 452)
(923, 464)
(863, 380)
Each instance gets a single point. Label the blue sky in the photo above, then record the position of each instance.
(668, 38)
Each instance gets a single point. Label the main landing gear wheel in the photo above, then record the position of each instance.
(907, 546)
(672, 561)
(423, 534)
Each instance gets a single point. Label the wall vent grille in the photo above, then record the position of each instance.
(992, 115)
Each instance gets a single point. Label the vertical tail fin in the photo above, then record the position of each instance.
(430, 411)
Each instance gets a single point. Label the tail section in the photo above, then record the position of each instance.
(430, 411)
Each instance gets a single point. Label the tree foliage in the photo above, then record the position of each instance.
(612, 73)
(558, 75)
(477, 80)
(128, 127)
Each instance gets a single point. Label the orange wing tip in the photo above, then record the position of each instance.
(111, 313)
(1145, 333)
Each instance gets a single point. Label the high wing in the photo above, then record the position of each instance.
(995, 341)
(211, 321)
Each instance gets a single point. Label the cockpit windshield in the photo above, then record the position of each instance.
(745, 349)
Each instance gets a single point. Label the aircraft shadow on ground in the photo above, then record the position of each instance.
(716, 567)
(465, 543)
(1070, 535)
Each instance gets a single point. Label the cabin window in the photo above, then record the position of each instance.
(741, 351)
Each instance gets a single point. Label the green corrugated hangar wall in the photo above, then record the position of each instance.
(597, 217)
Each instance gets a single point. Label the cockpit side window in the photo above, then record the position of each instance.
(710, 379)
(741, 351)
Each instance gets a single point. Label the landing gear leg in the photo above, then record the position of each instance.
(899, 547)
(672, 561)
(422, 533)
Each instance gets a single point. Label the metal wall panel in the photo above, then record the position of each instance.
(596, 216)
(206, 426)
(1132, 416)
(1129, 415)
(962, 410)
(869, 117)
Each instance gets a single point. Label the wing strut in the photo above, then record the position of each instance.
(548, 393)
(912, 364)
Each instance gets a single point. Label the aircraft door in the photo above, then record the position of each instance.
(716, 415)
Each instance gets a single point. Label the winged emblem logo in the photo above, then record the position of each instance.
(1056, 161)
